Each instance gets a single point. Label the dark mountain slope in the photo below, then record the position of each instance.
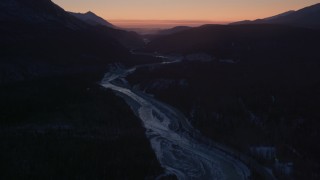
(40, 38)
(280, 15)
(56, 121)
(23, 20)
(307, 17)
(128, 39)
(93, 19)
(46, 14)
(37, 12)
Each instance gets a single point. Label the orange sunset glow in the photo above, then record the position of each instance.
(164, 13)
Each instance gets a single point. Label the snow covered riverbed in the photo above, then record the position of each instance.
(176, 143)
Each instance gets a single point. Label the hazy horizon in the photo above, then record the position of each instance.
(146, 14)
(160, 24)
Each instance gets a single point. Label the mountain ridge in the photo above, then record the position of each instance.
(37, 12)
(307, 17)
(39, 38)
(92, 19)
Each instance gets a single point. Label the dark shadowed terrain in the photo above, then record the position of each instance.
(56, 122)
(71, 128)
(253, 87)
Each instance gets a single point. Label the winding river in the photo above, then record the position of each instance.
(180, 148)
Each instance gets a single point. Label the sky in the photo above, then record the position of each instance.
(189, 12)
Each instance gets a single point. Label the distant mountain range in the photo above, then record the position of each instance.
(279, 35)
(240, 41)
(91, 18)
(308, 17)
(173, 30)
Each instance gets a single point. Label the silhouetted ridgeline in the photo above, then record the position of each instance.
(307, 17)
(242, 41)
(91, 18)
(41, 37)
